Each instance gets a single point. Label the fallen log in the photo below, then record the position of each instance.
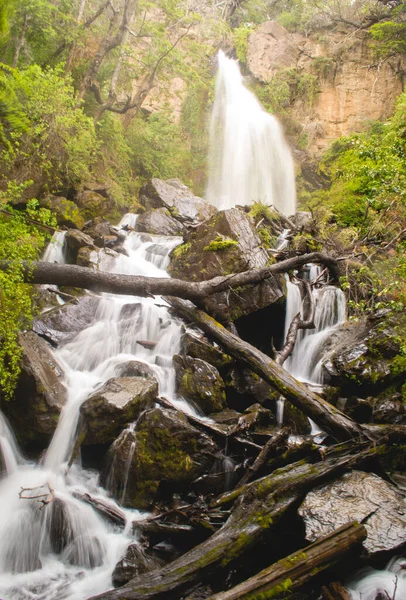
(263, 456)
(297, 569)
(334, 591)
(83, 277)
(326, 416)
(252, 520)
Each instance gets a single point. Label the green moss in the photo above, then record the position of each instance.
(282, 588)
(181, 250)
(220, 243)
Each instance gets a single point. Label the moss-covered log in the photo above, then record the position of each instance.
(256, 513)
(292, 572)
(326, 416)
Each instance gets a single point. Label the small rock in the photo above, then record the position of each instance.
(74, 241)
(159, 222)
(134, 563)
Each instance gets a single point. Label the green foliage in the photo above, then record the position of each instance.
(220, 243)
(259, 211)
(240, 36)
(19, 240)
(390, 37)
(323, 66)
(287, 86)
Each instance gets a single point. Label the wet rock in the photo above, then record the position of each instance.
(167, 456)
(40, 393)
(198, 346)
(159, 222)
(65, 211)
(244, 387)
(358, 409)
(367, 354)
(74, 241)
(61, 324)
(99, 228)
(227, 243)
(182, 204)
(228, 416)
(88, 257)
(295, 419)
(134, 563)
(200, 383)
(359, 496)
(135, 368)
(389, 408)
(118, 402)
(106, 241)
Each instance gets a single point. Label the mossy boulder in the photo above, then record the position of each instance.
(159, 222)
(119, 402)
(40, 394)
(92, 204)
(66, 212)
(200, 383)
(367, 354)
(168, 455)
(178, 199)
(244, 388)
(198, 346)
(295, 419)
(227, 243)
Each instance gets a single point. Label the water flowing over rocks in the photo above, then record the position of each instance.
(40, 393)
(118, 402)
(360, 496)
(178, 199)
(227, 243)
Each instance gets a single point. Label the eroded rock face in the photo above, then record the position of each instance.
(352, 88)
(178, 199)
(167, 454)
(200, 383)
(118, 402)
(40, 393)
(62, 323)
(227, 243)
(159, 222)
(359, 496)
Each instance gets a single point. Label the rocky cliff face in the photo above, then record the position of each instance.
(353, 87)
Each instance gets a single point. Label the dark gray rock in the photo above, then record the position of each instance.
(362, 497)
(200, 383)
(198, 346)
(159, 222)
(182, 204)
(118, 402)
(40, 394)
(135, 368)
(134, 563)
(61, 324)
(74, 241)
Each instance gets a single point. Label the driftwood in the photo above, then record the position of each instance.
(263, 456)
(326, 416)
(83, 277)
(257, 512)
(43, 498)
(292, 572)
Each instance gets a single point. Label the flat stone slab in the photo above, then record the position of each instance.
(362, 497)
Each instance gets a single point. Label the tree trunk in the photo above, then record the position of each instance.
(83, 277)
(292, 572)
(20, 42)
(252, 520)
(325, 415)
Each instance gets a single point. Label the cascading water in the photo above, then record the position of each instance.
(249, 159)
(65, 550)
(390, 583)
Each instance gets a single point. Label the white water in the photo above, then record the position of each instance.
(391, 583)
(34, 563)
(249, 159)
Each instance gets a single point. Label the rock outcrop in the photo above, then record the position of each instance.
(353, 88)
(200, 383)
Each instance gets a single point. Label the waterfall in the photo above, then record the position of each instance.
(249, 159)
(390, 583)
(66, 551)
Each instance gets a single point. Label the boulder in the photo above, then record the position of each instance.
(61, 324)
(159, 222)
(198, 346)
(200, 383)
(98, 228)
(389, 408)
(134, 563)
(367, 354)
(120, 401)
(244, 387)
(40, 393)
(74, 241)
(182, 204)
(66, 212)
(168, 454)
(227, 243)
(91, 203)
(362, 497)
(135, 368)
(88, 256)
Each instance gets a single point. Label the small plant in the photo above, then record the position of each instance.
(220, 243)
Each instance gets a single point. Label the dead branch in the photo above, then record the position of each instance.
(43, 498)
